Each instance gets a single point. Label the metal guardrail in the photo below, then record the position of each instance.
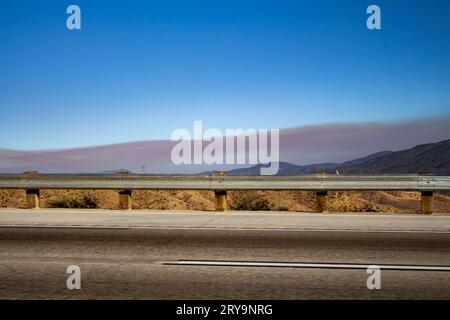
(170, 182)
(220, 184)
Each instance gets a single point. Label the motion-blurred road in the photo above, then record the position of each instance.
(140, 261)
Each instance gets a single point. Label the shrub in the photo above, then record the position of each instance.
(67, 200)
(348, 202)
(249, 200)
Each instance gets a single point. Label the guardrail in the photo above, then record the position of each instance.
(321, 184)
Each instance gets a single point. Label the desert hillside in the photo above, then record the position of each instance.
(396, 202)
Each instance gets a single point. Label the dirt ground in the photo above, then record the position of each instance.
(395, 202)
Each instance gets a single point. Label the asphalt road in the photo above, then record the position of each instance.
(130, 263)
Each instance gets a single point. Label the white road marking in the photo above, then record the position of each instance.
(261, 264)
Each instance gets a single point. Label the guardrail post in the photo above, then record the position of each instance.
(32, 196)
(125, 200)
(427, 202)
(322, 201)
(221, 200)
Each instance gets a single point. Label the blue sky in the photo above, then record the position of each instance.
(137, 70)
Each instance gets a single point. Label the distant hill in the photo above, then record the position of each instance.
(427, 158)
(285, 169)
(116, 171)
(365, 159)
(288, 169)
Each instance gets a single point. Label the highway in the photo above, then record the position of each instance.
(158, 255)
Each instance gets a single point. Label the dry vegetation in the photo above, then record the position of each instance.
(397, 202)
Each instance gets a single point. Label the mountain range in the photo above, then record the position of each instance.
(431, 158)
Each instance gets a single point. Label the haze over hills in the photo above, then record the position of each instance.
(307, 150)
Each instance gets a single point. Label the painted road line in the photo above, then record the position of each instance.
(262, 264)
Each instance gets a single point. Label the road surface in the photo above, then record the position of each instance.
(154, 255)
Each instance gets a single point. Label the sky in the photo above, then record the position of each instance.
(138, 70)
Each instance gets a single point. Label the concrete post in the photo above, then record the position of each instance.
(322, 201)
(125, 200)
(427, 202)
(32, 196)
(221, 200)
